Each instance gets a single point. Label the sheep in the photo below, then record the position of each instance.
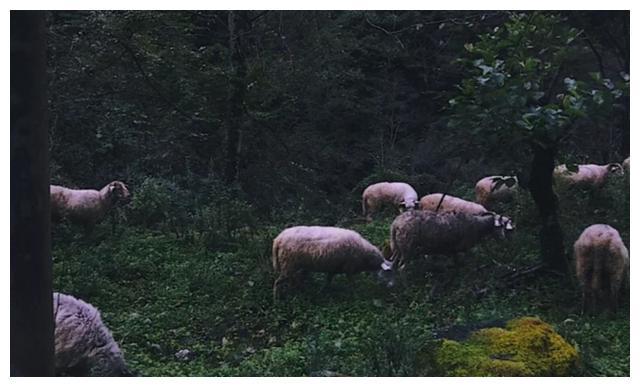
(332, 250)
(587, 176)
(495, 189)
(602, 264)
(396, 194)
(87, 206)
(84, 346)
(450, 204)
(425, 232)
(626, 165)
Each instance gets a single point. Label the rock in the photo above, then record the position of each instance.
(526, 346)
(184, 355)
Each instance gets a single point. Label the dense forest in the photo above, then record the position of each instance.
(229, 126)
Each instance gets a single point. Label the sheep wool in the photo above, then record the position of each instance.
(487, 193)
(602, 265)
(450, 204)
(331, 250)
(587, 176)
(425, 232)
(84, 346)
(86, 206)
(375, 196)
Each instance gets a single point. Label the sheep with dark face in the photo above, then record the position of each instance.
(602, 266)
(425, 232)
(450, 204)
(87, 206)
(587, 176)
(84, 346)
(493, 189)
(398, 195)
(332, 250)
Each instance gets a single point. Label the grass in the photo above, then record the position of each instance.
(160, 294)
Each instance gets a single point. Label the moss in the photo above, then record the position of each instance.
(526, 347)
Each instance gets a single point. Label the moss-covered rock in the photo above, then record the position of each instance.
(525, 347)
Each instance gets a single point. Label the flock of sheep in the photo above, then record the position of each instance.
(437, 224)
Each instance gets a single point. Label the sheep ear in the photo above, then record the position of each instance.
(386, 265)
(509, 226)
(497, 221)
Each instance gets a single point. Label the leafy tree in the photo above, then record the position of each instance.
(520, 94)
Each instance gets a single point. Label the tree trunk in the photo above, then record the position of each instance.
(31, 295)
(541, 188)
(237, 87)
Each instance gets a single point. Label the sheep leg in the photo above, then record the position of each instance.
(328, 281)
(587, 301)
(276, 286)
(364, 209)
(450, 275)
(613, 299)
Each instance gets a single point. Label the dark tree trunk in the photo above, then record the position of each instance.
(237, 87)
(541, 188)
(31, 294)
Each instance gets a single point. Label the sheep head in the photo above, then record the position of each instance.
(503, 224)
(386, 273)
(409, 205)
(615, 168)
(118, 192)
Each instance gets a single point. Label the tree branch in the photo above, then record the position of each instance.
(597, 54)
(383, 30)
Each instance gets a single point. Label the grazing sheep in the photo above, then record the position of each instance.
(496, 189)
(394, 194)
(424, 232)
(87, 206)
(332, 250)
(588, 175)
(450, 204)
(602, 264)
(83, 345)
(626, 165)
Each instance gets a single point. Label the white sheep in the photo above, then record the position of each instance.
(626, 165)
(332, 250)
(87, 206)
(421, 232)
(84, 346)
(450, 204)
(394, 194)
(602, 264)
(587, 176)
(493, 189)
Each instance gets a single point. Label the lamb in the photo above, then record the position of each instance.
(493, 189)
(450, 204)
(587, 176)
(332, 250)
(395, 194)
(87, 206)
(602, 264)
(424, 232)
(84, 346)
